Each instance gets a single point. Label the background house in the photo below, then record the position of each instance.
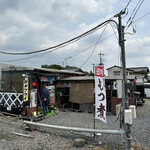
(139, 70)
(138, 73)
(117, 71)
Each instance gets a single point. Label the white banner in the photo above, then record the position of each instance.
(100, 94)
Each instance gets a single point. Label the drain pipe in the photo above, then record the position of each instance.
(74, 128)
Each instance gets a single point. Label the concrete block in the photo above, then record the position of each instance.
(118, 110)
(133, 108)
(128, 116)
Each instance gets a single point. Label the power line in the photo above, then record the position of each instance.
(114, 31)
(141, 17)
(94, 47)
(132, 23)
(137, 10)
(39, 55)
(25, 58)
(53, 48)
(131, 18)
(87, 48)
(127, 5)
(126, 8)
(133, 11)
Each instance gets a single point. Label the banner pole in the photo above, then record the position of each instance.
(94, 99)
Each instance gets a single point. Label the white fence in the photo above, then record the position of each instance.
(10, 100)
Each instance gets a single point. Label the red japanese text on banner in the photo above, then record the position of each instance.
(100, 94)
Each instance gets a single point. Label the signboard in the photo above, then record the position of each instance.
(114, 85)
(50, 79)
(100, 94)
(25, 90)
(33, 98)
(51, 89)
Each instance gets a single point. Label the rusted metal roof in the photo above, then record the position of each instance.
(83, 78)
(14, 68)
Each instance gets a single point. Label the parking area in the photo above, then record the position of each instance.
(44, 138)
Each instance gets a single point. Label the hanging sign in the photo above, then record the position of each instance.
(25, 90)
(33, 98)
(50, 79)
(100, 94)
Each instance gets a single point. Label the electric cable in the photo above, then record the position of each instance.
(44, 53)
(94, 47)
(53, 48)
(87, 48)
(25, 58)
(137, 10)
(134, 13)
(126, 8)
(114, 31)
(142, 17)
(17, 59)
(127, 5)
(125, 14)
(118, 45)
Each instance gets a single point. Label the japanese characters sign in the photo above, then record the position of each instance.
(25, 90)
(100, 94)
(33, 98)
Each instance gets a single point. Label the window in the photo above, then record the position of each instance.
(128, 73)
(116, 73)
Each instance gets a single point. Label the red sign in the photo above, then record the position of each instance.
(99, 71)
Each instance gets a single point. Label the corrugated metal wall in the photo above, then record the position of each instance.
(81, 93)
(12, 82)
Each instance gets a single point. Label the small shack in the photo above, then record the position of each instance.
(21, 87)
(80, 92)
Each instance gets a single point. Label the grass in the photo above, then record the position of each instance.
(50, 113)
(47, 114)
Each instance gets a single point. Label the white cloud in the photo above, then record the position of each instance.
(138, 52)
(30, 25)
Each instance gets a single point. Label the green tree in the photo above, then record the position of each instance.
(71, 67)
(144, 73)
(91, 73)
(53, 66)
(58, 67)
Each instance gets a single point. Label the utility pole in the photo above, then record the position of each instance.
(125, 104)
(101, 62)
(65, 61)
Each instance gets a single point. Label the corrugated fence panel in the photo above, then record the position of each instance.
(81, 93)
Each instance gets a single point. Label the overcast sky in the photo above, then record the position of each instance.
(30, 25)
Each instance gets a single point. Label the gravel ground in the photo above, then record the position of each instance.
(52, 139)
